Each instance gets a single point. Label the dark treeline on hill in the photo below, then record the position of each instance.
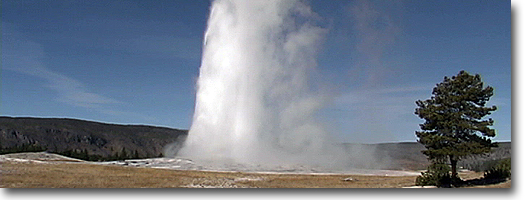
(481, 163)
(84, 139)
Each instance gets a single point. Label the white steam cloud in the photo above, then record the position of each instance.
(256, 103)
(253, 99)
(376, 29)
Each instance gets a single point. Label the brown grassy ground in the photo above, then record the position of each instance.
(82, 175)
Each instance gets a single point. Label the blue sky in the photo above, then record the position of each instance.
(136, 62)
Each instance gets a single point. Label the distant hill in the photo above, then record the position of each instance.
(482, 163)
(408, 156)
(99, 141)
(404, 155)
(79, 137)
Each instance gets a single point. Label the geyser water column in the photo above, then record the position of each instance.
(253, 100)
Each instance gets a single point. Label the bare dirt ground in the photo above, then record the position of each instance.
(59, 172)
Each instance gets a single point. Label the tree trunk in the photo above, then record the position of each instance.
(453, 166)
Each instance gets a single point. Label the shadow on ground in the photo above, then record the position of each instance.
(482, 181)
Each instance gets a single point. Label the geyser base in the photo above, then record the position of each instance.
(223, 166)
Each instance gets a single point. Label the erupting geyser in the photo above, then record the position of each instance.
(254, 101)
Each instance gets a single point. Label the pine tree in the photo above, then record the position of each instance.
(85, 154)
(123, 154)
(455, 124)
(136, 155)
(115, 156)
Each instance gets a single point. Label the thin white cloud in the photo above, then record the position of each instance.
(164, 46)
(133, 115)
(388, 97)
(137, 37)
(24, 56)
(380, 114)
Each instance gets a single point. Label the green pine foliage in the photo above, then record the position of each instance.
(455, 125)
(437, 174)
(501, 170)
(136, 155)
(124, 153)
(22, 148)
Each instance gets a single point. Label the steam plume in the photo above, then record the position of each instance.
(253, 99)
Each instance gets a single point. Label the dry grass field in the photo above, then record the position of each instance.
(83, 175)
